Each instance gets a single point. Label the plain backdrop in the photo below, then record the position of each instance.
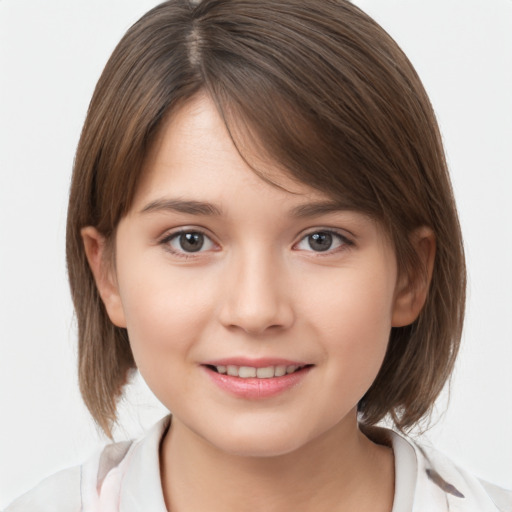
(51, 54)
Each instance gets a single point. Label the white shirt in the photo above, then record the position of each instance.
(125, 477)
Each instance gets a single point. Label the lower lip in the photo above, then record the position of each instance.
(253, 388)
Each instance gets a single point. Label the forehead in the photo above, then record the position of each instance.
(195, 156)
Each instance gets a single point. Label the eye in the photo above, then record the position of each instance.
(186, 242)
(322, 241)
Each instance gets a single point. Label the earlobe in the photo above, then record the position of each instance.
(412, 290)
(104, 275)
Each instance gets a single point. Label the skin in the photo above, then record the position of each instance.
(257, 288)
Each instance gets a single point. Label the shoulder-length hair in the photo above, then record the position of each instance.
(324, 92)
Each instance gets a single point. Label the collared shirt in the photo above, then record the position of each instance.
(125, 477)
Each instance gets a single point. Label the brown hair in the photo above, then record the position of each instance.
(328, 95)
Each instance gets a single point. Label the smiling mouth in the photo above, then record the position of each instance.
(250, 372)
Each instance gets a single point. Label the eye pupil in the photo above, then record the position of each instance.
(191, 242)
(320, 241)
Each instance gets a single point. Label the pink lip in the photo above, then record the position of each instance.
(254, 388)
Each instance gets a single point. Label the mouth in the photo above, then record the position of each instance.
(256, 379)
(251, 372)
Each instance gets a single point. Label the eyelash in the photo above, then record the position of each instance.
(344, 242)
(175, 235)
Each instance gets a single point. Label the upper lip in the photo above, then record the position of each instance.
(262, 362)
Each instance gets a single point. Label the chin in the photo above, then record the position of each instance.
(261, 446)
(261, 440)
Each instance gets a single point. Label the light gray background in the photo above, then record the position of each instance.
(51, 54)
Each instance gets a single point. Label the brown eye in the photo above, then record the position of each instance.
(191, 242)
(320, 241)
(323, 241)
(186, 242)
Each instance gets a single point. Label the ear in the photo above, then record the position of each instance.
(412, 290)
(104, 274)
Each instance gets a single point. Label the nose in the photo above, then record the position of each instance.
(256, 296)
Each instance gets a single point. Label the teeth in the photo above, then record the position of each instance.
(265, 373)
(246, 372)
(280, 371)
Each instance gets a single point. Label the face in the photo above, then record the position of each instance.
(258, 315)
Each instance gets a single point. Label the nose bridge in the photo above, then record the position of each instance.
(255, 294)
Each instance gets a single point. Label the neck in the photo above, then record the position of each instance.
(341, 470)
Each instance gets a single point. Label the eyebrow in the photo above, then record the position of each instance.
(320, 208)
(204, 208)
(182, 206)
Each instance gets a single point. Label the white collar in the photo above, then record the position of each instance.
(142, 487)
(425, 480)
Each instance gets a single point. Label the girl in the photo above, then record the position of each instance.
(261, 222)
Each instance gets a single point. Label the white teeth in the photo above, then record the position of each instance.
(280, 371)
(246, 372)
(265, 373)
(232, 370)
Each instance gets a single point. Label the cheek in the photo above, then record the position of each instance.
(164, 318)
(352, 317)
(165, 309)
